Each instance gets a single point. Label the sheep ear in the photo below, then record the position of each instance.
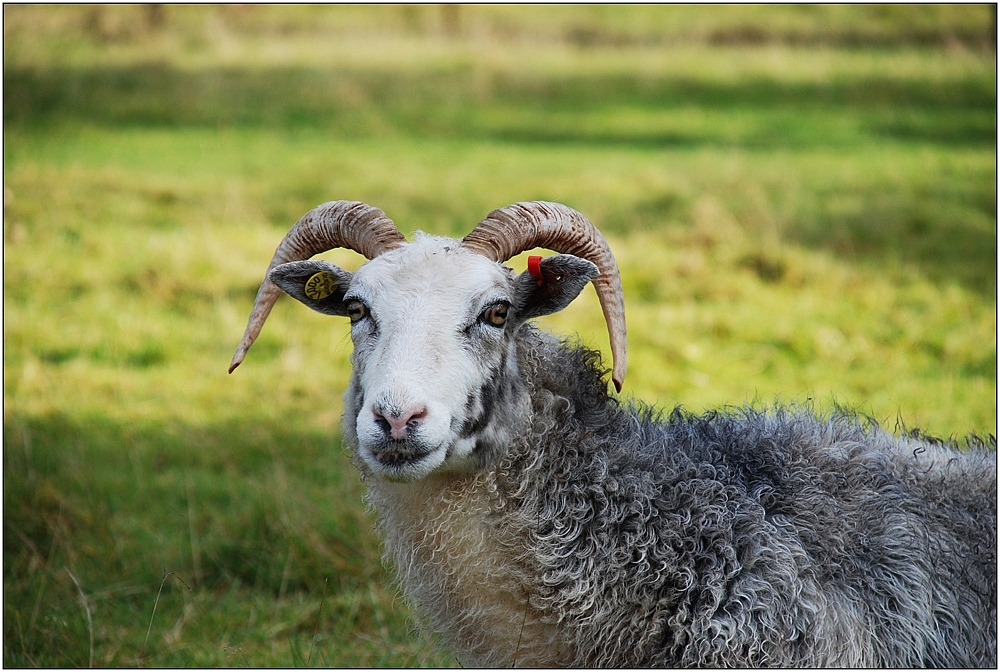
(551, 285)
(318, 284)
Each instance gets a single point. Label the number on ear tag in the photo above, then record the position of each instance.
(320, 285)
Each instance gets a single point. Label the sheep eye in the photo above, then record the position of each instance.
(496, 314)
(356, 310)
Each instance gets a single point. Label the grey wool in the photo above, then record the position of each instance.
(606, 534)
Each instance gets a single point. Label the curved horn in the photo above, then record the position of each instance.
(351, 224)
(522, 226)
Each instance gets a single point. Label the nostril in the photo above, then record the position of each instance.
(382, 423)
(416, 418)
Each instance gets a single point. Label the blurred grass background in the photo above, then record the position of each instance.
(802, 200)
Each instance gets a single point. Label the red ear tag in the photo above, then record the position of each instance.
(535, 268)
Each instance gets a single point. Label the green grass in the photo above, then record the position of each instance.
(802, 201)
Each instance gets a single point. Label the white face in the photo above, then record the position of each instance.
(435, 384)
(434, 360)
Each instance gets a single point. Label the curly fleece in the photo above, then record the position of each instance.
(609, 535)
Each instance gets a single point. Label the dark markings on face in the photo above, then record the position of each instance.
(357, 396)
(489, 396)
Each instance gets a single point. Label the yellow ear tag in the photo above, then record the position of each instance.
(320, 285)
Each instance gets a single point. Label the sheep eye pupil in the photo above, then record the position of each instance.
(496, 314)
(356, 310)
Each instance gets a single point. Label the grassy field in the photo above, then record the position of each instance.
(802, 201)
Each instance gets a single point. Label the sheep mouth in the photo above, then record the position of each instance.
(405, 460)
(398, 455)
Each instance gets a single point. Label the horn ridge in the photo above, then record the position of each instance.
(349, 224)
(508, 231)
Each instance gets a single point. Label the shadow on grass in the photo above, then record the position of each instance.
(237, 531)
(450, 103)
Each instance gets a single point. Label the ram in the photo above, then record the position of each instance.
(534, 518)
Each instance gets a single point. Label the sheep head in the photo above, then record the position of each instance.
(435, 382)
